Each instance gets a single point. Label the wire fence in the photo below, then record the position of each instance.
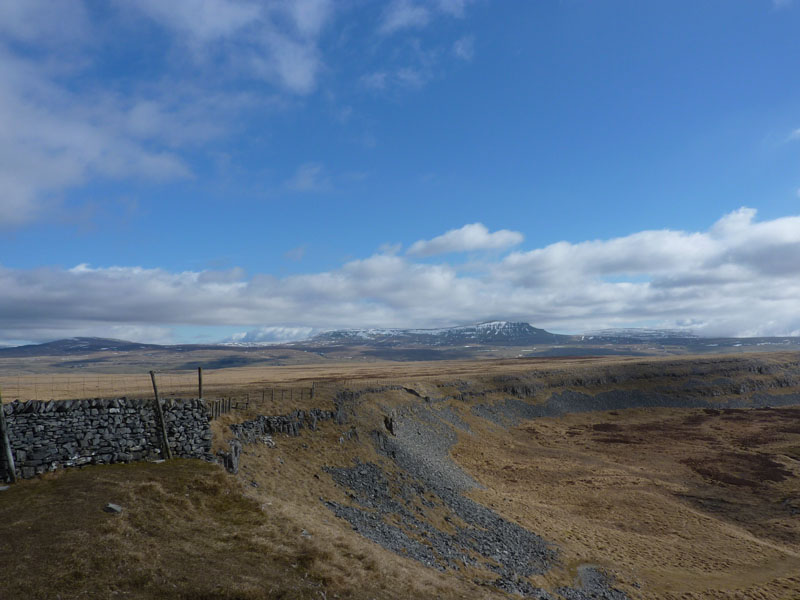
(219, 383)
(171, 384)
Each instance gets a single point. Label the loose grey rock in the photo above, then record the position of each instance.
(113, 508)
(486, 538)
(592, 584)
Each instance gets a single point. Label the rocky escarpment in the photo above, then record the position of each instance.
(396, 502)
(401, 488)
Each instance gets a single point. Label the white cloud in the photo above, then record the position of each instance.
(403, 14)
(404, 77)
(44, 21)
(253, 36)
(59, 128)
(52, 139)
(739, 277)
(310, 16)
(309, 177)
(794, 135)
(411, 77)
(290, 63)
(65, 122)
(203, 20)
(470, 237)
(464, 48)
(453, 7)
(408, 14)
(374, 81)
(273, 334)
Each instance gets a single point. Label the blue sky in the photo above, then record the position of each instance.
(199, 169)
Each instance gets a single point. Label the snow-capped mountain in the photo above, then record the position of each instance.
(500, 333)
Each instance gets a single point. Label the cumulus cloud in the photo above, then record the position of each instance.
(738, 277)
(470, 237)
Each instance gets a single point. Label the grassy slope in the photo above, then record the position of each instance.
(190, 530)
(629, 490)
(687, 504)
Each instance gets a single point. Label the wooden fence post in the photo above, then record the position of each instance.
(199, 382)
(313, 383)
(160, 418)
(12, 473)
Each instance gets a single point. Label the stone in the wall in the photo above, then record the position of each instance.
(45, 436)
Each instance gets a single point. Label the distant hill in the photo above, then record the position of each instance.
(77, 345)
(494, 333)
(639, 335)
(503, 337)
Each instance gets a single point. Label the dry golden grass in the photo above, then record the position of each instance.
(689, 504)
(50, 384)
(189, 530)
(186, 532)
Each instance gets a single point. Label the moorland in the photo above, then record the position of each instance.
(613, 477)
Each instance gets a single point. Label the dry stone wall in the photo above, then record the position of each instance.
(291, 424)
(44, 436)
